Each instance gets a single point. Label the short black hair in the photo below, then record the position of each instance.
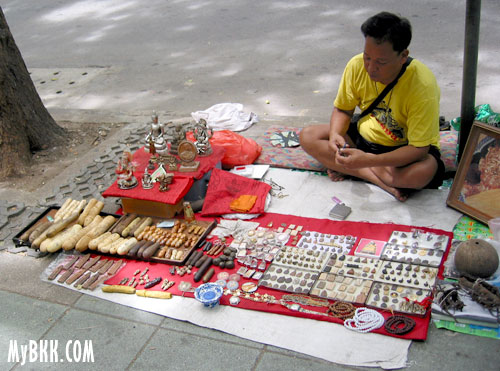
(389, 27)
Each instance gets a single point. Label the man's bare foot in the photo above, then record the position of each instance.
(397, 193)
(335, 176)
(400, 195)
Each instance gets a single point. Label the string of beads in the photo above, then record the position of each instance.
(342, 310)
(364, 320)
(399, 325)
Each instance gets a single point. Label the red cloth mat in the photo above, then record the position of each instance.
(224, 187)
(357, 229)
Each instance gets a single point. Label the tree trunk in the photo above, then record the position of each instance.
(25, 124)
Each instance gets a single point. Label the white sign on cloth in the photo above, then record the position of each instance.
(226, 116)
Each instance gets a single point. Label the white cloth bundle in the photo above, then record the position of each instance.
(226, 116)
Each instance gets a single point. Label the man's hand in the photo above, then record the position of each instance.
(339, 123)
(353, 158)
(336, 142)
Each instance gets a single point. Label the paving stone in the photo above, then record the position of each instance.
(84, 171)
(12, 231)
(91, 180)
(3, 221)
(109, 166)
(55, 199)
(11, 221)
(15, 209)
(31, 214)
(87, 190)
(115, 342)
(34, 211)
(95, 167)
(23, 319)
(98, 176)
(36, 253)
(83, 179)
(101, 306)
(17, 249)
(105, 157)
(129, 139)
(65, 188)
(170, 348)
(117, 148)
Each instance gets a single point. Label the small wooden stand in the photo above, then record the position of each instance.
(151, 208)
(187, 167)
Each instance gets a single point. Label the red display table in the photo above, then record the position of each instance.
(153, 202)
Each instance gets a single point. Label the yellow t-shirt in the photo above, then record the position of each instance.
(408, 114)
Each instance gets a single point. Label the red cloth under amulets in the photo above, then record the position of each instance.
(361, 230)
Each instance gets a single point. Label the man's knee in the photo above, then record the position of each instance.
(310, 135)
(305, 136)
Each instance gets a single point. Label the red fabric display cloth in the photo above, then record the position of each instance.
(224, 187)
(357, 229)
(180, 186)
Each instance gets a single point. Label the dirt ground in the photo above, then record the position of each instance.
(48, 163)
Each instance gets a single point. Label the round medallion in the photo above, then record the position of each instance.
(232, 285)
(221, 283)
(187, 151)
(223, 276)
(249, 287)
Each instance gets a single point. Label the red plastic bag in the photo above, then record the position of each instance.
(239, 150)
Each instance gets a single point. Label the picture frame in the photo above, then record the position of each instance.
(476, 185)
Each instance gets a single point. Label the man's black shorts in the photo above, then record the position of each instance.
(366, 146)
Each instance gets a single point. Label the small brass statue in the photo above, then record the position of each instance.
(155, 140)
(177, 134)
(125, 171)
(147, 181)
(165, 180)
(202, 134)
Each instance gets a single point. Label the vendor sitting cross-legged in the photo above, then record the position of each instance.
(395, 144)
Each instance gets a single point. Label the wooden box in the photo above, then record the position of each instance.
(151, 208)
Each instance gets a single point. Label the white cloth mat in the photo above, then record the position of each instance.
(310, 195)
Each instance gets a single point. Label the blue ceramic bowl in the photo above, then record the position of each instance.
(208, 294)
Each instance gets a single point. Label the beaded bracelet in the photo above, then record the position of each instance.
(341, 310)
(393, 323)
(364, 320)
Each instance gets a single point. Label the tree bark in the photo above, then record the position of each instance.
(25, 124)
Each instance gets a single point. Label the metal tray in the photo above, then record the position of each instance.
(47, 213)
(51, 211)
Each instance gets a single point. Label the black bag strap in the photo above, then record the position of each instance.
(386, 90)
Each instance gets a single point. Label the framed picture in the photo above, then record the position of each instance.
(476, 187)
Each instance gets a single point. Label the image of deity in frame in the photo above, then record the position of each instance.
(476, 186)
